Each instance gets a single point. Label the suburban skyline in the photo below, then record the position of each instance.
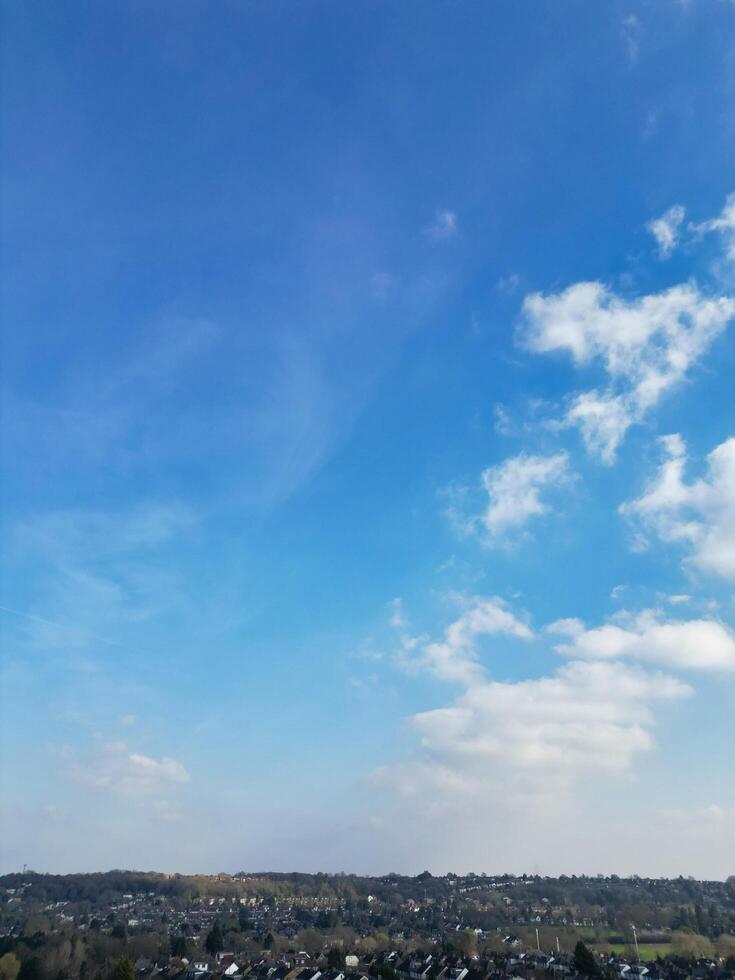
(369, 437)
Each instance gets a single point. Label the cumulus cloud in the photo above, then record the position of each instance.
(113, 767)
(645, 346)
(697, 515)
(533, 737)
(666, 229)
(516, 748)
(517, 492)
(455, 657)
(699, 644)
(514, 490)
(586, 715)
(443, 227)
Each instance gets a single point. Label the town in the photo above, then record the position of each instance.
(134, 926)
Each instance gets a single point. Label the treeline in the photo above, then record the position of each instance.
(612, 893)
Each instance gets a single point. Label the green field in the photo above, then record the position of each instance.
(648, 951)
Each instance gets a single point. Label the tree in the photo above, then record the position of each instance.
(215, 941)
(692, 946)
(9, 967)
(584, 960)
(36, 924)
(335, 958)
(310, 940)
(463, 942)
(179, 946)
(725, 947)
(123, 970)
(31, 969)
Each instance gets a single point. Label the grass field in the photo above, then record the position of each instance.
(648, 951)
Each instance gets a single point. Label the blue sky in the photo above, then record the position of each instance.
(367, 404)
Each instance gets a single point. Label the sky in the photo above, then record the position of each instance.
(368, 436)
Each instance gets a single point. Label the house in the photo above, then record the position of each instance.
(280, 972)
(196, 970)
(307, 973)
(415, 968)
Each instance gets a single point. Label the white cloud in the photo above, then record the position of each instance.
(698, 644)
(603, 420)
(98, 571)
(514, 490)
(645, 345)
(666, 229)
(703, 820)
(66, 535)
(503, 424)
(585, 716)
(505, 751)
(397, 617)
(443, 227)
(534, 737)
(455, 657)
(517, 490)
(509, 284)
(724, 224)
(631, 31)
(700, 515)
(113, 767)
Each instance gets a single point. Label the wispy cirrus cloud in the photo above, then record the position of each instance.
(723, 224)
(443, 227)
(96, 572)
(631, 31)
(80, 534)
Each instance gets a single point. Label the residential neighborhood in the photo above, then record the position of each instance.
(346, 927)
